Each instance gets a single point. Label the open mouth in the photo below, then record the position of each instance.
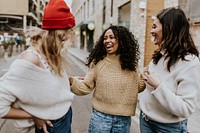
(153, 38)
(108, 46)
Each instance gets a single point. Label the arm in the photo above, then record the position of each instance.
(17, 114)
(7, 98)
(180, 102)
(141, 83)
(21, 114)
(85, 86)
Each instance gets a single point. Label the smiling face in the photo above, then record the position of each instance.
(110, 42)
(156, 32)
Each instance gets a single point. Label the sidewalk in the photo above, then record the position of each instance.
(78, 54)
(5, 63)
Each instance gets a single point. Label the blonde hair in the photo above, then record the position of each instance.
(49, 43)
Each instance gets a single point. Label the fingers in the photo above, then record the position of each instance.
(147, 72)
(80, 78)
(44, 126)
(49, 123)
(145, 76)
(45, 129)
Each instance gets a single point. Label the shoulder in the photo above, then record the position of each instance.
(31, 57)
(192, 58)
(191, 64)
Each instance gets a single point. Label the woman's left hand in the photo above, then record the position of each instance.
(42, 124)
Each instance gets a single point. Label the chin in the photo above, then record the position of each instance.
(110, 53)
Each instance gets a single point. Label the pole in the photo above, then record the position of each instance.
(111, 12)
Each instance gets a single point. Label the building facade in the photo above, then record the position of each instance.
(93, 16)
(16, 16)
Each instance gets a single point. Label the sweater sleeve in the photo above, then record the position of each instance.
(84, 87)
(6, 100)
(182, 102)
(141, 83)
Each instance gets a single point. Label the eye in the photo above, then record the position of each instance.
(154, 26)
(112, 37)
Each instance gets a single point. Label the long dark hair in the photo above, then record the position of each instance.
(128, 49)
(177, 41)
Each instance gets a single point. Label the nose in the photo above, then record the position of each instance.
(107, 40)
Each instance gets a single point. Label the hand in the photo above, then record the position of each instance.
(152, 79)
(70, 80)
(146, 70)
(41, 124)
(80, 78)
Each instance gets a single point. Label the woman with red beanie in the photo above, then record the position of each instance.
(36, 88)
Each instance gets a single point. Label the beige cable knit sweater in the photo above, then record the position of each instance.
(115, 90)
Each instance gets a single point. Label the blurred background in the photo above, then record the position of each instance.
(92, 17)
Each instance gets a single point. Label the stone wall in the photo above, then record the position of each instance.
(195, 32)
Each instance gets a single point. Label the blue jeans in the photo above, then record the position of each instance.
(149, 126)
(105, 123)
(61, 125)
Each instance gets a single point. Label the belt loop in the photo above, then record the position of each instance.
(145, 117)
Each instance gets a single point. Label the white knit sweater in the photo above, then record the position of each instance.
(175, 98)
(35, 90)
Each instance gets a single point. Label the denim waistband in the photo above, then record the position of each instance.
(146, 118)
(63, 117)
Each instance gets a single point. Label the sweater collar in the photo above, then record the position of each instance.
(113, 58)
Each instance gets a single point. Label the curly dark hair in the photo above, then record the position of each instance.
(128, 49)
(176, 37)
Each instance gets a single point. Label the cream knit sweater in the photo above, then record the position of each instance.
(115, 90)
(175, 98)
(36, 91)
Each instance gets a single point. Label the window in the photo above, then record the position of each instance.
(191, 9)
(194, 11)
(124, 15)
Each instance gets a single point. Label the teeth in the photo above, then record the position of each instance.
(109, 45)
(153, 38)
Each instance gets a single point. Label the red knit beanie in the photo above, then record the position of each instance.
(57, 15)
